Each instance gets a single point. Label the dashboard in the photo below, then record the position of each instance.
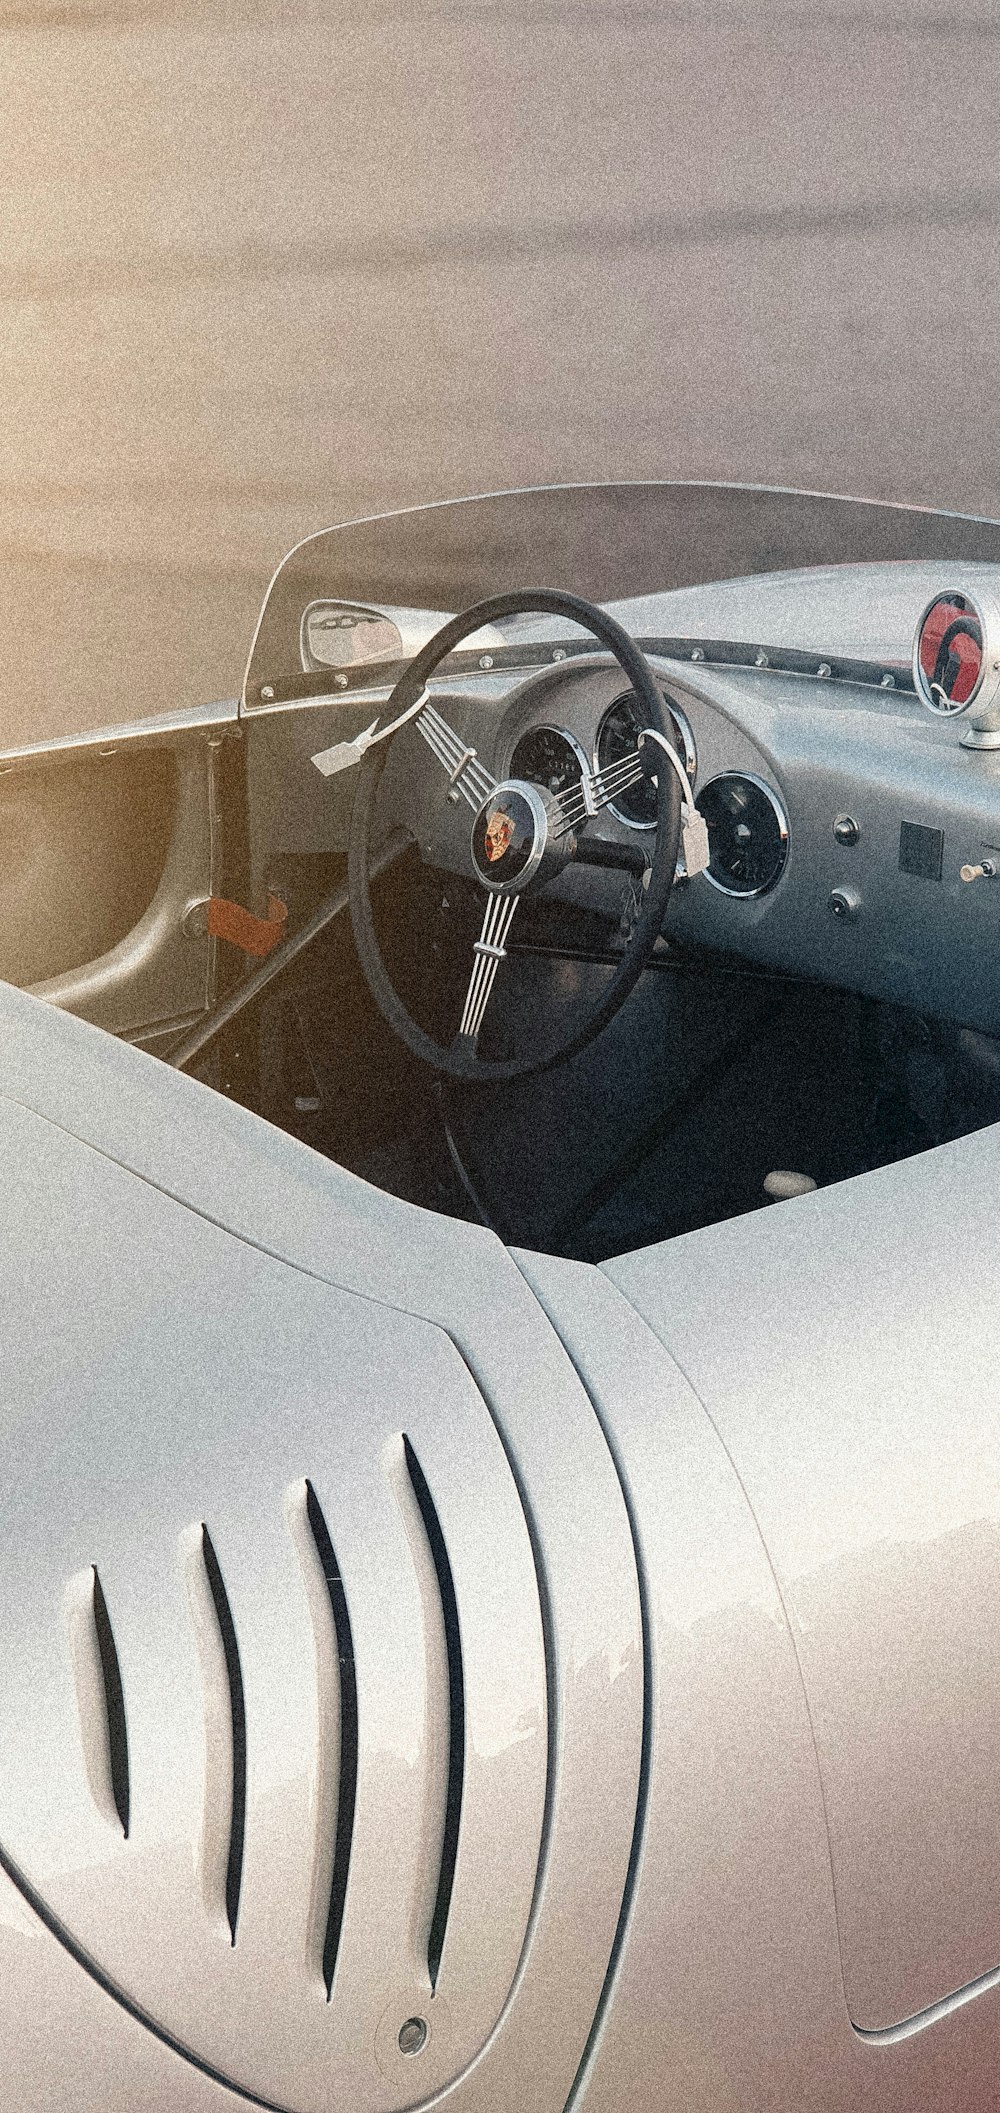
(747, 824)
(835, 727)
(840, 817)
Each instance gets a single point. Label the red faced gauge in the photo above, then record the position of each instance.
(955, 661)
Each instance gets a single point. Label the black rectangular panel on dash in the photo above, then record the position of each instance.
(920, 850)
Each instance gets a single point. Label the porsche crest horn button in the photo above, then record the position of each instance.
(499, 830)
(509, 836)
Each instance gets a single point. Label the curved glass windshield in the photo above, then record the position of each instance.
(603, 541)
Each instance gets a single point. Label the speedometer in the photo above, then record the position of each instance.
(617, 736)
(549, 757)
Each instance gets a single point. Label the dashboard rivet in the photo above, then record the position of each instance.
(560, 653)
(762, 661)
(267, 692)
(340, 682)
(824, 670)
(486, 660)
(697, 653)
(846, 829)
(888, 682)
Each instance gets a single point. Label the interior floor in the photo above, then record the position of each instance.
(709, 1078)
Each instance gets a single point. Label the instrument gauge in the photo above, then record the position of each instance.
(550, 757)
(617, 736)
(747, 833)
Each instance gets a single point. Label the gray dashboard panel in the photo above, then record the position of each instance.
(926, 943)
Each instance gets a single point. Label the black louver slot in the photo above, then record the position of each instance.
(348, 1735)
(227, 1631)
(114, 1702)
(456, 1711)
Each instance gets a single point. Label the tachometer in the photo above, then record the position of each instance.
(747, 833)
(549, 757)
(617, 735)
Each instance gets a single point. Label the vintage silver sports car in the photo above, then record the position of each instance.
(501, 1419)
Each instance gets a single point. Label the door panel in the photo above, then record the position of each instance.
(86, 845)
(112, 845)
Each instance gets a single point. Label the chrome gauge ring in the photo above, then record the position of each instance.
(617, 733)
(549, 756)
(747, 833)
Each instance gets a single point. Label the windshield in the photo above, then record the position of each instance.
(606, 542)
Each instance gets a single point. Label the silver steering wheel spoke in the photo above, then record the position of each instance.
(599, 787)
(596, 789)
(489, 950)
(467, 776)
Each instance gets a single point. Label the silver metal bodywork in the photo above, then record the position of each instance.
(720, 1523)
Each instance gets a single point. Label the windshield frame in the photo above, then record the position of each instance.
(605, 541)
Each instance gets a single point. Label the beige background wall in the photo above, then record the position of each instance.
(264, 267)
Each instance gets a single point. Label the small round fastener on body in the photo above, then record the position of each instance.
(844, 904)
(846, 830)
(412, 2036)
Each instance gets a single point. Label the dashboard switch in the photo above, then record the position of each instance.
(844, 904)
(846, 829)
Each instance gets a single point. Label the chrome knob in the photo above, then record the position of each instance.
(844, 904)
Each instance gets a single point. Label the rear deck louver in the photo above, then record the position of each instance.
(456, 1711)
(348, 1770)
(238, 1719)
(100, 1698)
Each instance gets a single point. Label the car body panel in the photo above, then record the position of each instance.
(277, 1199)
(859, 1408)
(720, 1516)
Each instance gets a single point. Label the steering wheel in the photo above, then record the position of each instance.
(519, 837)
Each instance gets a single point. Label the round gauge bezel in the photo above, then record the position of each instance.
(544, 727)
(750, 777)
(690, 750)
(920, 682)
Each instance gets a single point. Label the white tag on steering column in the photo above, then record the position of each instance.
(694, 840)
(693, 852)
(344, 754)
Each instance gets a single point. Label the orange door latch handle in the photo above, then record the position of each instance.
(253, 935)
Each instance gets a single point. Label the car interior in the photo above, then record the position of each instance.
(675, 1027)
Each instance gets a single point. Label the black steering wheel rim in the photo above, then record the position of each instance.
(460, 1062)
